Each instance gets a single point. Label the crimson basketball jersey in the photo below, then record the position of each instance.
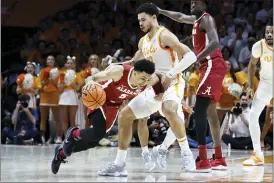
(119, 91)
(200, 41)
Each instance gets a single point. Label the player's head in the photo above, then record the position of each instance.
(198, 6)
(142, 72)
(147, 16)
(269, 33)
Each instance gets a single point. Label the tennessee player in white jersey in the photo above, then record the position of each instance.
(164, 49)
(261, 51)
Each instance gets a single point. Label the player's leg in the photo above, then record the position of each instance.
(262, 97)
(143, 134)
(79, 140)
(117, 169)
(218, 162)
(139, 107)
(200, 116)
(171, 108)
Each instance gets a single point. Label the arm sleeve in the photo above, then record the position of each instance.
(257, 49)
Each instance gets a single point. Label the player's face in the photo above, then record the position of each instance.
(50, 61)
(69, 64)
(269, 35)
(196, 6)
(145, 22)
(141, 79)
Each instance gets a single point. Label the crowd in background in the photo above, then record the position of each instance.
(91, 35)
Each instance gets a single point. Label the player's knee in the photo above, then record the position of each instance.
(169, 109)
(142, 123)
(126, 117)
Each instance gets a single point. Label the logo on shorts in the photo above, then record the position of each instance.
(208, 90)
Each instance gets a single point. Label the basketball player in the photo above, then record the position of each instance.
(261, 51)
(164, 49)
(212, 70)
(123, 83)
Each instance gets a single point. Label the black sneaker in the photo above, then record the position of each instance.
(57, 160)
(69, 141)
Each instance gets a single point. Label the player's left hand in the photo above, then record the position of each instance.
(166, 81)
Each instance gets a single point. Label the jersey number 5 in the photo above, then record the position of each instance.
(122, 96)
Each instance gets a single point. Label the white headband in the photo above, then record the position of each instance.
(71, 58)
(28, 63)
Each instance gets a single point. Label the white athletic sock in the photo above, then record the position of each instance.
(145, 150)
(120, 157)
(169, 139)
(183, 143)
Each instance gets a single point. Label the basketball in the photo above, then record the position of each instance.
(93, 96)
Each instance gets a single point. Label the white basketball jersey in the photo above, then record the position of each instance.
(265, 52)
(164, 58)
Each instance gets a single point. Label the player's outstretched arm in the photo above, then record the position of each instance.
(256, 53)
(169, 40)
(208, 25)
(114, 72)
(178, 16)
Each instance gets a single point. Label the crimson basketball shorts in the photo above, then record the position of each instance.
(110, 113)
(212, 73)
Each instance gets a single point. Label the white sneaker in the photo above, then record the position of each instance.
(149, 163)
(254, 160)
(160, 156)
(58, 140)
(188, 162)
(114, 171)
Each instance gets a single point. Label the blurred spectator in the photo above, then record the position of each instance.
(245, 53)
(24, 120)
(49, 98)
(229, 24)
(193, 83)
(29, 84)
(27, 49)
(68, 84)
(157, 126)
(223, 37)
(238, 125)
(227, 54)
(262, 15)
(237, 40)
(227, 100)
(242, 78)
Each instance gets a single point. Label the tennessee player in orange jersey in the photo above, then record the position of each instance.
(261, 51)
(163, 48)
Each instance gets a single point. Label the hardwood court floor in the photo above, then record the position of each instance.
(32, 164)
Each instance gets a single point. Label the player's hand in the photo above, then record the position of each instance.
(188, 109)
(166, 81)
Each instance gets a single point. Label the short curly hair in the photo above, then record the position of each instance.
(148, 8)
